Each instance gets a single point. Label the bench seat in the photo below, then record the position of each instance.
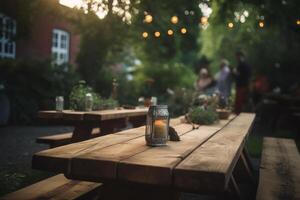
(62, 139)
(57, 187)
(279, 170)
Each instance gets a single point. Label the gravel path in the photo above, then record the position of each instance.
(17, 145)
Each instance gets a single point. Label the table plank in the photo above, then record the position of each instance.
(99, 165)
(92, 115)
(155, 165)
(57, 159)
(279, 176)
(209, 167)
(223, 122)
(114, 114)
(51, 114)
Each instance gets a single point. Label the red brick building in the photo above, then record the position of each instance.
(50, 35)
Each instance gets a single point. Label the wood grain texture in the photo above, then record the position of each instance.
(55, 188)
(93, 115)
(57, 159)
(279, 170)
(63, 138)
(50, 114)
(209, 167)
(155, 165)
(114, 114)
(102, 163)
(223, 122)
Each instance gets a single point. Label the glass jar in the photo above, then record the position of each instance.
(157, 127)
(59, 103)
(89, 102)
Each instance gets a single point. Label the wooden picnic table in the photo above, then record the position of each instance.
(106, 120)
(202, 162)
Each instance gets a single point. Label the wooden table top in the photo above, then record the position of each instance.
(202, 161)
(93, 115)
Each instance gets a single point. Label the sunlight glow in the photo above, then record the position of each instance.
(101, 9)
(71, 3)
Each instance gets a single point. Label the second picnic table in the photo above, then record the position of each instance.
(202, 162)
(106, 120)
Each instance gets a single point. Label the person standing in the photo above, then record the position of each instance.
(223, 78)
(205, 82)
(242, 74)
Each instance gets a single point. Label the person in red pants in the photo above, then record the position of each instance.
(242, 75)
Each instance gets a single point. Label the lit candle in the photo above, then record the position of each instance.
(160, 129)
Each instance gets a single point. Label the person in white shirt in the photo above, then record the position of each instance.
(224, 80)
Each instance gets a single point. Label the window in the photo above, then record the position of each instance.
(60, 46)
(8, 29)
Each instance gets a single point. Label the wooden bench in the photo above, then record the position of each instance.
(62, 139)
(58, 188)
(279, 170)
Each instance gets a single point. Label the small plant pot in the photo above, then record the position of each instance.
(223, 113)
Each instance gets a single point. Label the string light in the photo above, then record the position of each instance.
(148, 18)
(156, 33)
(298, 22)
(174, 19)
(230, 25)
(170, 32)
(145, 34)
(204, 20)
(183, 30)
(261, 24)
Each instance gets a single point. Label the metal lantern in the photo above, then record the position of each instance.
(157, 126)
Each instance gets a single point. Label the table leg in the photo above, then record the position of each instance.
(243, 170)
(233, 192)
(113, 191)
(82, 132)
(137, 121)
(111, 126)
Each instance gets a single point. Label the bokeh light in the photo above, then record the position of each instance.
(183, 30)
(174, 19)
(261, 24)
(204, 20)
(148, 18)
(170, 32)
(230, 25)
(145, 34)
(156, 33)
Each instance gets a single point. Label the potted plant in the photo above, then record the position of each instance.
(223, 108)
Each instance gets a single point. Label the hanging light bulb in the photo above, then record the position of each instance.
(204, 20)
(156, 33)
(148, 18)
(183, 30)
(145, 34)
(174, 19)
(170, 32)
(230, 25)
(261, 24)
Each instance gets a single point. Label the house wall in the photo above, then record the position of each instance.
(39, 43)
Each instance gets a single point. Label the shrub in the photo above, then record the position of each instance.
(32, 85)
(202, 115)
